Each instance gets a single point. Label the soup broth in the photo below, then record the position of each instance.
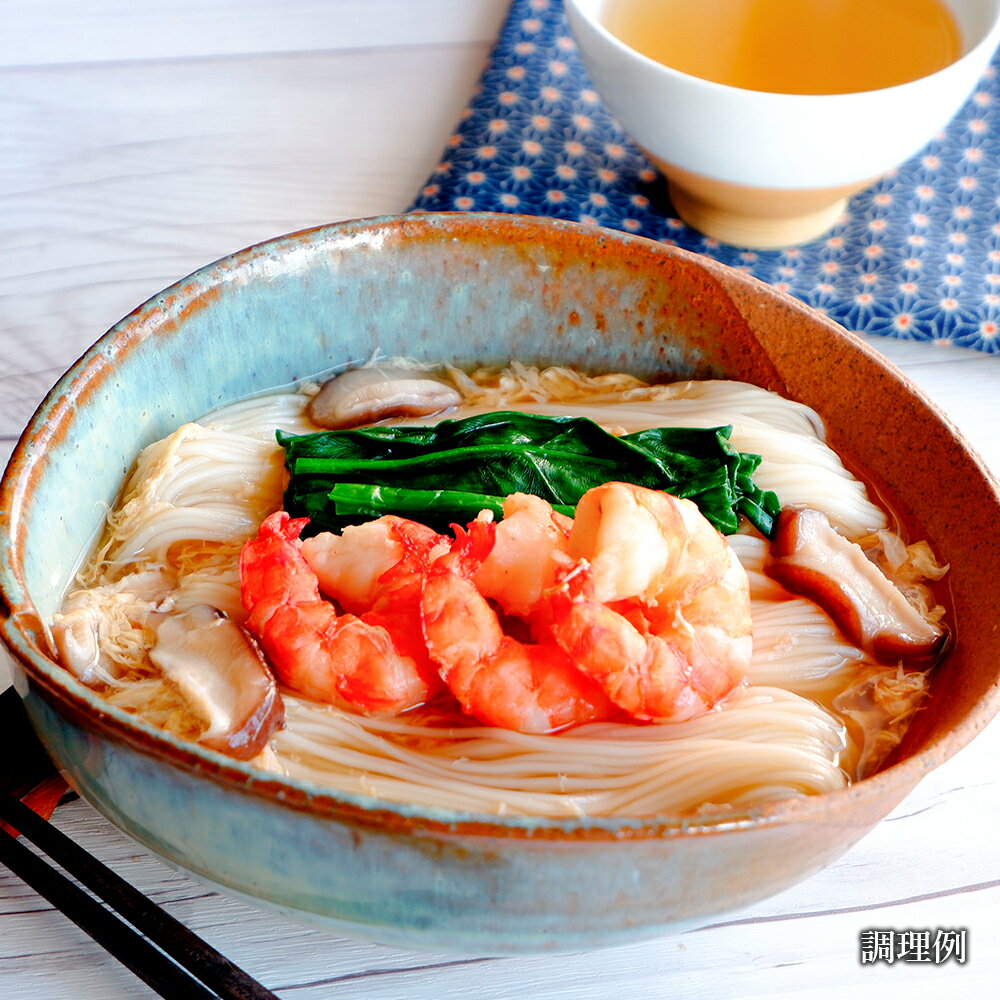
(792, 46)
(813, 713)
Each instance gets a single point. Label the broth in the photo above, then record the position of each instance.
(792, 46)
(814, 713)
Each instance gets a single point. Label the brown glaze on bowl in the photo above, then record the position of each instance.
(471, 289)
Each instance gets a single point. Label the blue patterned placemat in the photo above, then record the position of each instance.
(916, 256)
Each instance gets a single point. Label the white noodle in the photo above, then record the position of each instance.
(767, 738)
(259, 417)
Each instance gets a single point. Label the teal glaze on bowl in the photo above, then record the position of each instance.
(469, 289)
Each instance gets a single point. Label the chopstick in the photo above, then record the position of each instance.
(170, 958)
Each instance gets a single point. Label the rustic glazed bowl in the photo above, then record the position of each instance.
(471, 289)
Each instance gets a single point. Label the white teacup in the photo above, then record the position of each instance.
(766, 170)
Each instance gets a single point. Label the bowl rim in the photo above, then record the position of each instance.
(82, 706)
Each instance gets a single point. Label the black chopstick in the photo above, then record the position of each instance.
(194, 969)
(130, 948)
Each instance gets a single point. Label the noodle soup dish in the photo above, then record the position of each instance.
(481, 557)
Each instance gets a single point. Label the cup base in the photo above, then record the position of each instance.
(756, 232)
(755, 217)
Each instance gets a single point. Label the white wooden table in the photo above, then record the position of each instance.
(140, 141)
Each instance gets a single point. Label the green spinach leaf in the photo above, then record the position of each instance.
(449, 472)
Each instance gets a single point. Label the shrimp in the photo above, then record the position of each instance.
(528, 687)
(351, 567)
(313, 649)
(657, 606)
(375, 570)
(530, 548)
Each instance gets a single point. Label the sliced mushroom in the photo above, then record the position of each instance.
(88, 614)
(366, 395)
(219, 670)
(810, 557)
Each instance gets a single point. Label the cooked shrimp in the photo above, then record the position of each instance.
(375, 570)
(312, 648)
(529, 550)
(657, 607)
(351, 567)
(397, 601)
(532, 688)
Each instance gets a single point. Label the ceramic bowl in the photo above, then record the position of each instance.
(472, 289)
(767, 170)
